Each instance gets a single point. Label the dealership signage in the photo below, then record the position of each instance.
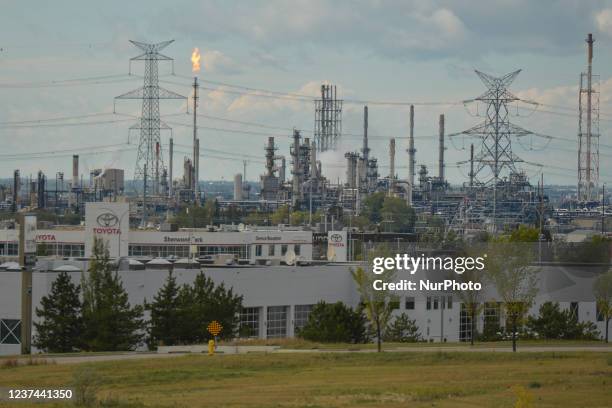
(337, 246)
(45, 238)
(182, 240)
(109, 222)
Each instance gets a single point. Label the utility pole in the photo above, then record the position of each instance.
(603, 209)
(170, 168)
(27, 260)
(471, 166)
(541, 217)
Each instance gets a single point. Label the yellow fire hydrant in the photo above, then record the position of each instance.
(211, 347)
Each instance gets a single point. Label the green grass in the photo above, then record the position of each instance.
(424, 379)
(301, 344)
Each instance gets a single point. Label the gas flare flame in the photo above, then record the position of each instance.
(195, 60)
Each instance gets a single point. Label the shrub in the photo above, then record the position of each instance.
(334, 323)
(86, 383)
(402, 330)
(9, 363)
(554, 323)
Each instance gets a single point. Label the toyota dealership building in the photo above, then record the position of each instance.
(278, 271)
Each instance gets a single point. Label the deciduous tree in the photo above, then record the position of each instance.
(378, 304)
(509, 267)
(603, 298)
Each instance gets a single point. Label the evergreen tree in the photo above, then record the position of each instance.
(61, 323)
(216, 303)
(188, 328)
(110, 323)
(201, 303)
(165, 314)
(555, 323)
(402, 330)
(334, 323)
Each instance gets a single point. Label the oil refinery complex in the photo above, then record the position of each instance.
(284, 268)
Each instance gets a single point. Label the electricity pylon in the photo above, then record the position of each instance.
(150, 168)
(496, 131)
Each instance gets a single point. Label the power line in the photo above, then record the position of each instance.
(60, 155)
(223, 152)
(232, 156)
(59, 118)
(302, 97)
(51, 125)
(63, 150)
(93, 80)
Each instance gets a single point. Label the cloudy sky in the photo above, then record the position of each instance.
(63, 62)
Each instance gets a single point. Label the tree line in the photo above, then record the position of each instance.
(96, 314)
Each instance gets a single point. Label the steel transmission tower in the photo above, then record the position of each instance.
(150, 168)
(496, 131)
(588, 130)
(328, 119)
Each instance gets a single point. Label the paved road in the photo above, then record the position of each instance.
(76, 359)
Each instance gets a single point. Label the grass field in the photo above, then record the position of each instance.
(339, 380)
(301, 344)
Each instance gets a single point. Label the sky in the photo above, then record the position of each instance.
(62, 63)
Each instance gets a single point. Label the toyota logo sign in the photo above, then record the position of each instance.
(335, 238)
(107, 220)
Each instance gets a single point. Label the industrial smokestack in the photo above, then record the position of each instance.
(41, 190)
(589, 118)
(409, 194)
(283, 170)
(365, 150)
(411, 149)
(270, 157)
(16, 188)
(441, 152)
(75, 171)
(170, 186)
(391, 166)
(351, 169)
(295, 153)
(238, 187)
(314, 171)
(305, 167)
